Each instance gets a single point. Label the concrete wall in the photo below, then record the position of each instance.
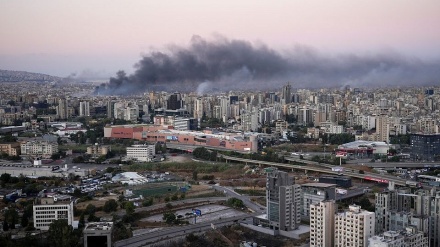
(259, 229)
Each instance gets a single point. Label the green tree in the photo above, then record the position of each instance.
(365, 203)
(147, 202)
(55, 156)
(129, 208)
(60, 234)
(90, 209)
(11, 216)
(5, 177)
(340, 138)
(82, 221)
(5, 226)
(93, 218)
(110, 206)
(24, 220)
(194, 175)
(120, 232)
(174, 197)
(235, 202)
(169, 217)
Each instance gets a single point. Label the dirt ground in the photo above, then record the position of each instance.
(97, 202)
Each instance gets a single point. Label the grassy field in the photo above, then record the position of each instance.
(200, 167)
(251, 192)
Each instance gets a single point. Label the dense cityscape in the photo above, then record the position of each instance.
(219, 123)
(323, 167)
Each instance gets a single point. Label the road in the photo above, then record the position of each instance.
(246, 199)
(401, 165)
(322, 168)
(172, 232)
(181, 202)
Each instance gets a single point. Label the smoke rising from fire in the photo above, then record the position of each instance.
(221, 64)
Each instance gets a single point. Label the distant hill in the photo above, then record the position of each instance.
(19, 76)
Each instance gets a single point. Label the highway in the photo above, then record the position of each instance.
(186, 147)
(247, 202)
(402, 165)
(317, 167)
(322, 168)
(172, 232)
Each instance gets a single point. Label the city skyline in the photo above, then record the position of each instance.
(96, 39)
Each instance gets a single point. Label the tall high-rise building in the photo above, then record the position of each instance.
(174, 102)
(84, 109)
(198, 108)
(224, 106)
(354, 227)
(283, 201)
(387, 202)
(305, 115)
(110, 109)
(322, 224)
(382, 129)
(286, 94)
(425, 147)
(62, 109)
(233, 99)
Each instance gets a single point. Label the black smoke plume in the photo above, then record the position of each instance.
(240, 65)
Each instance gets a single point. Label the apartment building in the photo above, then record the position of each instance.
(410, 237)
(382, 129)
(322, 224)
(389, 205)
(48, 209)
(141, 152)
(39, 148)
(98, 234)
(283, 198)
(12, 149)
(97, 150)
(312, 193)
(354, 227)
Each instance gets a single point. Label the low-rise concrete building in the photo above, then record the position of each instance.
(49, 209)
(141, 152)
(410, 237)
(98, 234)
(12, 149)
(39, 148)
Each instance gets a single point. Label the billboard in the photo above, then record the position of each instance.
(197, 212)
(172, 138)
(376, 179)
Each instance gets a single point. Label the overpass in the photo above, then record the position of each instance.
(402, 165)
(173, 232)
(322, 168)
(308, 165)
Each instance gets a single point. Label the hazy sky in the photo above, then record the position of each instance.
(60, 37)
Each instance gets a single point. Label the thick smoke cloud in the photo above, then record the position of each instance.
(222, 64)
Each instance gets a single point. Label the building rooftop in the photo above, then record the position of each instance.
(127, 176)
(318, 185)
(98, 226)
